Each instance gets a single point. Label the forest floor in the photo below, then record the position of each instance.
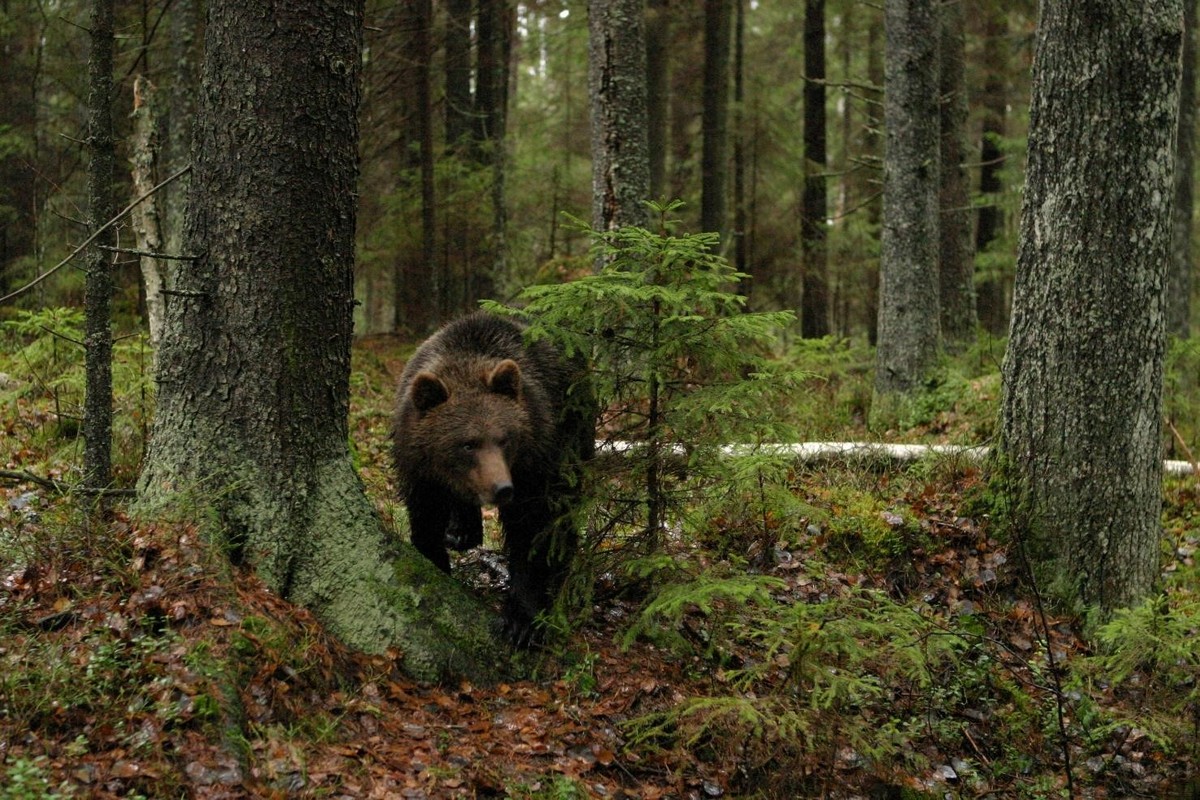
(919, 663)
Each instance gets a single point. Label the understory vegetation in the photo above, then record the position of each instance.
(744, 624)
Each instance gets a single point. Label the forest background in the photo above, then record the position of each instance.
(475, 140)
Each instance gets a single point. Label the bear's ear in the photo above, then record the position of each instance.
(506, 379)
(428, 391)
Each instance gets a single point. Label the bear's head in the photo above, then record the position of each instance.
(471, 424)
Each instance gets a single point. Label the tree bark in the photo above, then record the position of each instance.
(715, 119)
(814, 312)
(102, 168)
(1179, 277)
(186, 39)
(1082, 404)
(145, 217)
(253, 402)
(956, 266)
(617, 88)
(908, 290)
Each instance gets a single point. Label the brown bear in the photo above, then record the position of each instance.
(485, 417)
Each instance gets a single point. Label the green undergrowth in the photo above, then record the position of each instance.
(788, 629)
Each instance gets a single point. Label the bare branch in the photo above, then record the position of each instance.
(95, 234)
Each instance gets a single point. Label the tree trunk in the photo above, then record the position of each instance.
(814, 313)
(1082, 404)
(873, 148)
(433, 282)
(459, 124)
(17, 182)
(715, 120)
(617, 88)
(186, 40)
(494, 36)
(956, 265)
(102, 168)
(658, 82)
(1179, 277)
(991, 304)
(252, 416)
(740, 217)
(908, 288)
(145, 217)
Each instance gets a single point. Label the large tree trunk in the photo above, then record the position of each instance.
(814, 312)
(102, 168)
(255, 363)
(1179, 277)
(956, 265)
(908, 287)
(1083, 373)
(617, 88)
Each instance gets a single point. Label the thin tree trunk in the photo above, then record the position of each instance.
(715, 120)
(908, 288)
(432, 269)
(658, 83)
(957, 267)
(1082, 405)
(97, 412)
(252, 415)
(145, 217)
(814, 313)
(991, 303)
(457, 49)
(617, 88)
(740, 237)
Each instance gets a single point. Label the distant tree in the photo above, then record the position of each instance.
(102, 207)
(658, 87)
(814, 314)
(494, 26)
(460, 124)
(991, 303)
(715, 120)
(741, 216)
(18, 90)
(1082, 403)
(253, 385)
(956, 263)
(1179, 276)
(908, 288)
(617, 91)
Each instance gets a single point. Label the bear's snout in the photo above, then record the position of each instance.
(502, 493)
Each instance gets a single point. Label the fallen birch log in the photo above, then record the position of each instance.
(866, 451)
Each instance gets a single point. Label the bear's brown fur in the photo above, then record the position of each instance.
(483, 418)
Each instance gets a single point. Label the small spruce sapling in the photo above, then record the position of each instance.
(681, 372)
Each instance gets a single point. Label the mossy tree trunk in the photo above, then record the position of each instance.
(252, 418)
(1082, 406)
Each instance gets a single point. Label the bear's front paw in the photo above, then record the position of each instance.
(464, 534)
(520, 629)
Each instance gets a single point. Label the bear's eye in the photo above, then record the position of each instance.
(470, 447)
